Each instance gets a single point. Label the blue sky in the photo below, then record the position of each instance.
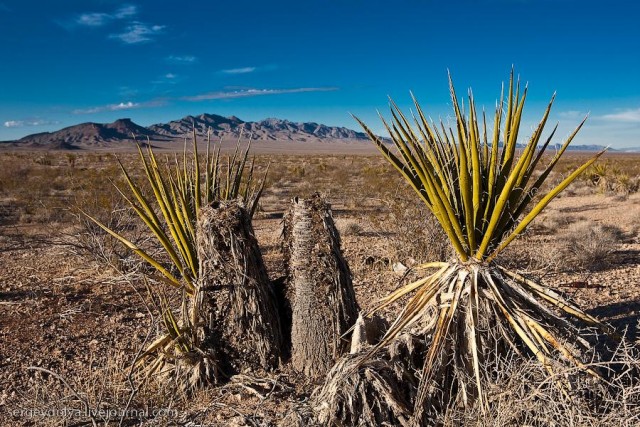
(67, 62)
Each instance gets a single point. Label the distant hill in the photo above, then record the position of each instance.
(87, 135)
(184, 127)
(629, 150)
(592, 147)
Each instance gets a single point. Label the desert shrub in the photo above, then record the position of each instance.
(88, 239)
(580, 188)
(71, 159)
(521, 394)
(105, 392)
(297, 170)
(380, 179)
(608, 179)
(589, 246)
(413, 232)
(44, 160)
(625, 184)
(350, 228)
(564, 243)
(555, 223)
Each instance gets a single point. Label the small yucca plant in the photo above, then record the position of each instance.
(484, 190)
(177, 191)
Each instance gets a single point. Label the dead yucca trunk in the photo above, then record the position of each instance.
(234, 297)
(319, 291)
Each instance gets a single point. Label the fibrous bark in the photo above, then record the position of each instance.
(234, 298)
(322, 304)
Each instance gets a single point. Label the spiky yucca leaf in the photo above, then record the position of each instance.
(178, 190)
(484, 193)
(477, 188)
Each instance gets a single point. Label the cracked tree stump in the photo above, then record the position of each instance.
(322, 304)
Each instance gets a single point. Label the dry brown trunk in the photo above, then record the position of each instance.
(235, 300)
(319, 290)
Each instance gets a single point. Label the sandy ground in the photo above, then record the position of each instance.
(258, 147)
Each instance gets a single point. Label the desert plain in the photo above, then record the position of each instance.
(75, 313)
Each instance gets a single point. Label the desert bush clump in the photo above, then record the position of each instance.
(350, 228)
(523, 395)
(589, 246)
(612, 180)
(413, 233)
(110, 395)
(89, 241)
(44, 160)
(71, 159)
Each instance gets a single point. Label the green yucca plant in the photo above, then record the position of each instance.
(484, 190)
(177, 190)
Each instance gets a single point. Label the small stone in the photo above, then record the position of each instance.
(399, 268)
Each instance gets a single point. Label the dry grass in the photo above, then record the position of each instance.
(381, 391)
(524, 395)
(350, 228)
(590, 246)
(414, 236)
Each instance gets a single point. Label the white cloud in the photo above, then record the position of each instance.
(184, 59)
(628, 116)
(138, 32)
(93, 19)
(247, 70)
(124, 106)
(169, 78)
(572, 114)
(135, 31)
(126, 12)
(243, 70)
(121, 106)
(111, 107)
(98, 19)
(30, 122)
(254, 92)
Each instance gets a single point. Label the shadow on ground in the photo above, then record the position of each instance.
(624, 316)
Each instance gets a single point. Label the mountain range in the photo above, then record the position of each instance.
(123, 131)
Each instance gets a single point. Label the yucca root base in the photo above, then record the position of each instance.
(475, 321)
